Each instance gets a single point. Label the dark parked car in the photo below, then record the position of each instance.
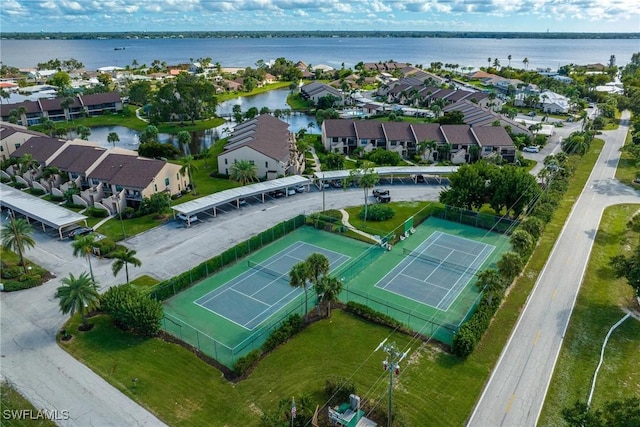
(384, 198)
(80, 231)
(377, 192)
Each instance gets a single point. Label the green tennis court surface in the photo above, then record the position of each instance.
(257, 294)
(437, 270)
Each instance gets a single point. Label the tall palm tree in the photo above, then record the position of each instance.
(298, 279)
(83, 246)
(124, 258)
(243, 172)
(22, 111)
(328, 288)
(17, 237)
(509, 58)
(66, 103)
(525, 61)
(318, 266)
(189, 166)
(78, 294)
(113, 138)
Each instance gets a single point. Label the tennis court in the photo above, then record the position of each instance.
(436, 272)
(263, 289)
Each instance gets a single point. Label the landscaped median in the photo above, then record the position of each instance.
(435, 388)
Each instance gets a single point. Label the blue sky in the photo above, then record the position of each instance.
(341, 15)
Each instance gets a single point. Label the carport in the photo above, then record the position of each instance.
(235, 195)
(32, 207)
(388, 172)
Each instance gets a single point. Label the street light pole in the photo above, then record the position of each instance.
(391, 364)
(322, 183)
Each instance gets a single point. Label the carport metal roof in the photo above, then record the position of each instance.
(40, 210)
(202, 204)
(390, 171)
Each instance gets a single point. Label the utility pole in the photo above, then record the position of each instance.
(391, 364)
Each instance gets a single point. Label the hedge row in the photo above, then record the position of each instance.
(291, 326)
(471, 332)
(132, 310)
(374, 316)
(169, 288)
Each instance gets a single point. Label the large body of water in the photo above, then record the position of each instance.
(244, 52)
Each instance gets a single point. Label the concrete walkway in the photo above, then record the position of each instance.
(346, 223)
(316, 160)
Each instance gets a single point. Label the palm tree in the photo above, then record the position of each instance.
(83, 246)
(509, 58)
(184, 138)
(48, 125)
(318, 266)
(367, 178)
(525, 61)
(78, 294)
(124, 258)
(66, 103)
(28, 163)
(328, 288)
(49, 173)
(113, 138)
(189, 166)
(298, 279)
(17, 237)
(22, 111)
(243, 172)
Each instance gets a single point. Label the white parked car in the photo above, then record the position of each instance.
(192, 218)
(532, 149)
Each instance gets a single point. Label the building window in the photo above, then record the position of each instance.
(155, 187)
(226, 161)
(251, 162)
(178, 177)
(166, 182)
(266, 164)
(18, 145)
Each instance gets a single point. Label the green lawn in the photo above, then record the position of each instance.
(403, 210)
(11, 400)
(113, 227)
(598, 307)
(435, 388)
(627, 168)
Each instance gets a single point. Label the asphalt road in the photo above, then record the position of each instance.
(515, 392)
(51, 379)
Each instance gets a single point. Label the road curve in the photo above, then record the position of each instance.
(515, 392)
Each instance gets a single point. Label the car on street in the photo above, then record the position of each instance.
(299, 189)
(531, 149)
(80, 232)
(384, 198)
(377, 192)
(531, 114)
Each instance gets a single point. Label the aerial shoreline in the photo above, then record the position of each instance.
(311, 34)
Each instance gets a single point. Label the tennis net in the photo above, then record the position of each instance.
(463, 269)
(267, 270)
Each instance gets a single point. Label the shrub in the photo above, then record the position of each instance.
(337, 389)
(129, 212)
(291, 326)
(96, 212)
(56, 198)
(377, 213)
(106, 247)
(19, 185)
(372, 315)
(132, 310)
(244, 364)
(37, 191)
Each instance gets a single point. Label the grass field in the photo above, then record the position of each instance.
(598, 307)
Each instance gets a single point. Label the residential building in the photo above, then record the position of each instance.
(345, 136)
(54, 109)
(315, 90)
(266, 142)
(111, 179)
(12, 137)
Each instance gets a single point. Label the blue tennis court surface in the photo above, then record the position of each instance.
(258, 293)
(437, 271)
